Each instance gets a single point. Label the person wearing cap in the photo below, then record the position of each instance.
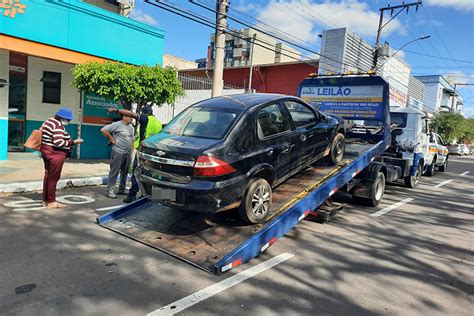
(147, 126)
(56, 144)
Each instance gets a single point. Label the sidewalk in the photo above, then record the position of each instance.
(23, 172)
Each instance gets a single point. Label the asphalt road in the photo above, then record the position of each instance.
(414, 259)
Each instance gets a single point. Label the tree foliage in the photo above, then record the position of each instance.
(128, 83)
(453, 126)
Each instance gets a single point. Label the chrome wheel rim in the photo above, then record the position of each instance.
(378, 190)
(417, 175)
(260, 201)
(339, 147)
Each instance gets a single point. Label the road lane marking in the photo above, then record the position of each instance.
(214, 289)
(464, 173)
(109, 208)
(439, 185)
(391, 207)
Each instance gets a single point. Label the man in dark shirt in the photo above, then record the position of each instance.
(147, 125)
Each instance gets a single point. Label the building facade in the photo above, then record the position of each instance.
(281, 78)
(343, 51)
(239, 49)
(440, 95)
(40, 42)
(177, 62)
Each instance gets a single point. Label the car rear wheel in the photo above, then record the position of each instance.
(336, 151)
(444, 166)
(255, 206)
(431, 168)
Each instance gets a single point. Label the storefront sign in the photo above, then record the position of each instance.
(95, 109)
(351, 102)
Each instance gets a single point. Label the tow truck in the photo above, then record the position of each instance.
(219, 242)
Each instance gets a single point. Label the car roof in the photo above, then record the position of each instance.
(241, 101)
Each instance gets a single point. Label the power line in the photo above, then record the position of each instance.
(203, 21)
(439, 57)
(279, 38)
(266, 26)
(441, 39)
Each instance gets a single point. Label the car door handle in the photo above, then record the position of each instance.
(287, 149)
(303, 138)
(269, 152)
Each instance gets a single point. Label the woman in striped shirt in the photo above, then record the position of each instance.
(56, 143)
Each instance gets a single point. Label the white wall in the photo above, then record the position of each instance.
(4, 74)
(166, 112)
(70, 97)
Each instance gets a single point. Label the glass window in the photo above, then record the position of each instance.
(202, 122)
(271, 121)
(51, 87)
(398, 119)
(300, 113)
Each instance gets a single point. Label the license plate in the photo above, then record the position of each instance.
(163, 194)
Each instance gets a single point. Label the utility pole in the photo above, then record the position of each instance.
(251, 61)
(219, 48)
(454, 92)
(402, 7)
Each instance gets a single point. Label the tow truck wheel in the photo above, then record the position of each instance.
(431, 168)
(412, 180)
(255, 206)
(444, 166)
(377, 190)
(336, 151)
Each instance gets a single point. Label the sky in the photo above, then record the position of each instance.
(450, 23)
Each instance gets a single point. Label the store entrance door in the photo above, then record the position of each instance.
(17, 102)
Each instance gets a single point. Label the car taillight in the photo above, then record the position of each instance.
(207, 166)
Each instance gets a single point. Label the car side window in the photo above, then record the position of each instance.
(271, 121)
(440, 141)
(301, 114)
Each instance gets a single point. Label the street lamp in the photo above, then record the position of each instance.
(407, 43)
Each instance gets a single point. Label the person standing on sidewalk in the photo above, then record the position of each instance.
(120, 135)
(56, 144)
(147, 126)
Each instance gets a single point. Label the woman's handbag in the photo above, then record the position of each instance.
(34, 141)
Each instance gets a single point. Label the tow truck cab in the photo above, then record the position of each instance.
(410, 140)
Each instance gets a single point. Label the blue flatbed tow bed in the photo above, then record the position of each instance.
(218, 242)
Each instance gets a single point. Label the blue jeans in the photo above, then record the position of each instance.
(132, 193)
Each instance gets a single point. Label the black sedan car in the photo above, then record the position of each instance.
(229, 152)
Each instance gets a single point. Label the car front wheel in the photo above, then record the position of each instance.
(336, 151)
(255, 206)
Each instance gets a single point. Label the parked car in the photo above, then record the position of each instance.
(229, 152)
(439, 154)
(465, 149)
(455, 149)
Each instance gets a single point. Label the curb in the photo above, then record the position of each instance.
(23, 187)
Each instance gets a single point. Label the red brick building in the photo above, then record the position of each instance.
(281, 78)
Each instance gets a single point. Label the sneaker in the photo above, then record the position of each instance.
(122, 193)
(129, 199)
(111, 194)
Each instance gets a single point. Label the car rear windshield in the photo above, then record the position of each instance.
(201, 122)
(398, 119)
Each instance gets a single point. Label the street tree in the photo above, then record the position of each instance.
(449, 125)
(129, 84)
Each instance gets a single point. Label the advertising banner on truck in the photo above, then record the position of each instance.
(349, 102)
